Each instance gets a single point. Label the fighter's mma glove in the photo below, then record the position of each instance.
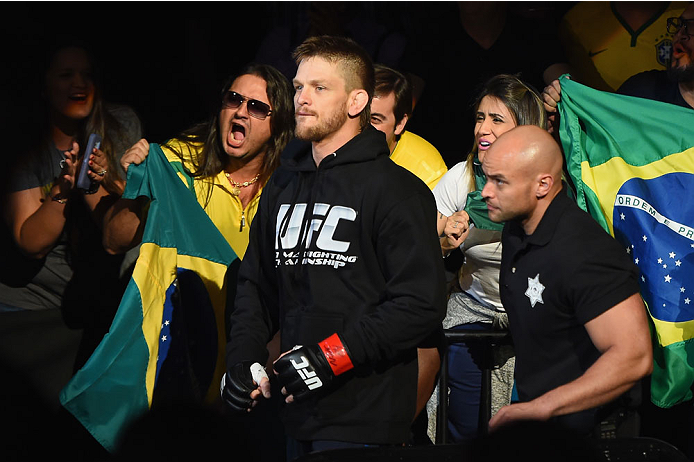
(238, 383)
(307, 370)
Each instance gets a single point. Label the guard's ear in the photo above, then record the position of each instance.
(544, 185)
(358, 99)
(400, 126)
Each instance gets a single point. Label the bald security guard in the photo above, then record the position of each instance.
(576, 317)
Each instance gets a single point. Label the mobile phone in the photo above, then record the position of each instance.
(83, 181)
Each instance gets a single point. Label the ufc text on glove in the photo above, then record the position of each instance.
(306, 370)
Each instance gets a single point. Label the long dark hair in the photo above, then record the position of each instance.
(210, 160)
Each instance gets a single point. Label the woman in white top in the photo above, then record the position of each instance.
(474, 303)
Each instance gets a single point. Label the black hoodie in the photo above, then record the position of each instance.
(370, 271)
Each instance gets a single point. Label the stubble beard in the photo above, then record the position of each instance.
(681, 73)
(323, 128)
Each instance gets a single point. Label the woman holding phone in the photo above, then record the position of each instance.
(51, 243)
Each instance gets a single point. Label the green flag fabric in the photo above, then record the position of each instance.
(167, 338)
(475, 206)
(632, 163)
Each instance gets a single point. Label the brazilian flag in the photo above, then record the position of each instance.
(166, 341)
(632, 163)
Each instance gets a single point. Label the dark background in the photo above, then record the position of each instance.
(168, 60)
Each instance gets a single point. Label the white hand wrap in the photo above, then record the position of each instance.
(258, 372)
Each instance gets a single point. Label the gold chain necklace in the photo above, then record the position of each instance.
(236, 187)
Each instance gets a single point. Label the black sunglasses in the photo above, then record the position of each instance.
(256, 108)
(675, 24)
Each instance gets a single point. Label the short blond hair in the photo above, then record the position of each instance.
(354, 62)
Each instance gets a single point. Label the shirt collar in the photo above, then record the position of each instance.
(547, 225)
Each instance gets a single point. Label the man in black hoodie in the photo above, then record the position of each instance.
(342, 258)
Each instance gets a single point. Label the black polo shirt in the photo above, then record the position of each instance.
(554, 281)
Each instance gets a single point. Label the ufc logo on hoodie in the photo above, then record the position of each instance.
(307, 375)
(321, 228)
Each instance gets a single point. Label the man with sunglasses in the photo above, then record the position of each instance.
(225, 161)
(229, 158)
(342, 259)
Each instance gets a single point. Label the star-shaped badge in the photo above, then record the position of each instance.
(534, 292)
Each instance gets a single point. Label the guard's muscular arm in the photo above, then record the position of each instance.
(621, 334)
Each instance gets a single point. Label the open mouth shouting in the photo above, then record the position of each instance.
(237, 135)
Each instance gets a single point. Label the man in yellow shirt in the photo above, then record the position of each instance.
(608, 42)
(391, 108)
(225, 161)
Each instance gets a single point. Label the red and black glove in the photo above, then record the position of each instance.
(307, 370)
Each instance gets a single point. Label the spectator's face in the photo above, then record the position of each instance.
(242, 135)
(492, 120)
(383, 118)
(683, 48)
(70, 85)
(320, 99)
